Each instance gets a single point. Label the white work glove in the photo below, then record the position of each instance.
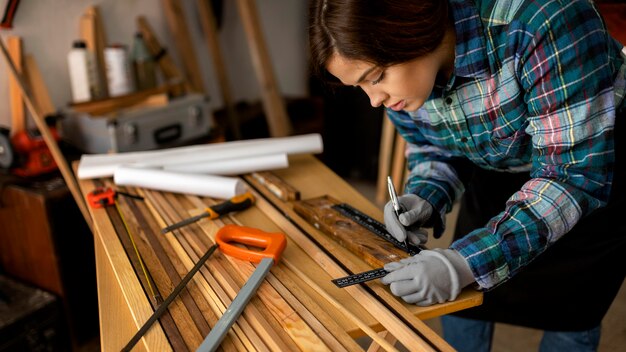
(432, 276)
(414, 212)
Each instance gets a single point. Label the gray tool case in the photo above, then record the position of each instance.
(181, 120)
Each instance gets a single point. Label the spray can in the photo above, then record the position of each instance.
(118, 70)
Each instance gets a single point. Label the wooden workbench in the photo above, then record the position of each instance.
(124, 304)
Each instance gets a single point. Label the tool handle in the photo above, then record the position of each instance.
(236, 203)
(272, 244)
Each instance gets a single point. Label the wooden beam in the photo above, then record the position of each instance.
(385, 155)
(188, 317)
(357, 239)
(18, 115)
(398, 163)
(273, 104)
(366, 329)
(106, 106)
(160, 55)
(91, 30)
(175, 15)
(38, 87)
(277, 186)
(386, 336)
(67, 174)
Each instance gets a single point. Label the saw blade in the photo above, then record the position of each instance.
(6, 149)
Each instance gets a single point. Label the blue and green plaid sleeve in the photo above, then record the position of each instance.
(562, 66)
(535, 89)
(432, 173)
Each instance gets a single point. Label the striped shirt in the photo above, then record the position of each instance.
(535, 88)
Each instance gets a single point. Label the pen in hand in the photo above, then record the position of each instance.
(394, 201)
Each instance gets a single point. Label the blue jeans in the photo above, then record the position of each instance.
(476, 336)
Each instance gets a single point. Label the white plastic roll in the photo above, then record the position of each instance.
(103, 165)
(201, 185)
(233, 166)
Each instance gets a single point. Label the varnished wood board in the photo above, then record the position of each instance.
(374, 250)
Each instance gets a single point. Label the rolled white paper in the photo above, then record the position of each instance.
(103, 165)
(201, 185)
(233, 166)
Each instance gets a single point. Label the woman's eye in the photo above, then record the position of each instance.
(380, 78)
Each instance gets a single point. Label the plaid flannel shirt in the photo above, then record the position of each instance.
(535, 88)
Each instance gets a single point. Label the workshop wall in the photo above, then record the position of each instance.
(48, 28)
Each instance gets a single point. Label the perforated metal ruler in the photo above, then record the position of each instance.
(359, 278)
(374, 226)
(378, 229)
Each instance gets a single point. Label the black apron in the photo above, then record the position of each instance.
(571, 285)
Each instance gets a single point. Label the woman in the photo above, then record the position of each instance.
(515, 100)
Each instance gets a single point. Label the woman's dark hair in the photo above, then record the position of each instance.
(383, 32)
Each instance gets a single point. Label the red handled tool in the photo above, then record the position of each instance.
(104, 196)
(9, 14)
(273, 245)
(236, 203)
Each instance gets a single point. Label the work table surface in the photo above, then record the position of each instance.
(126, 293)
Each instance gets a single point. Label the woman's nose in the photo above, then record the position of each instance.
(377, 98)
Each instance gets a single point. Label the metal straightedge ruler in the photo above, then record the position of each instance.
(378, 229)
(375, 227)
(360, 277)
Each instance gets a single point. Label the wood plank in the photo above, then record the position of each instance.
(374, 250)
(282, 280)
(182, 262)
(385, 155)
(38, 87)
(341, 308)
(171, 73)
(277, 185)
(285, 316)
(276, 113)
(415, 337)
(164, 273)
(117, 278)
(133, 255)
(106, 106)
(18, 115)
(375, 346)
(92, 32)
(292, 321)
(398, 163)
(293, 252)
(176, 20)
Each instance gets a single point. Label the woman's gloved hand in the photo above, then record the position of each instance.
(414, 212)
(432, 276)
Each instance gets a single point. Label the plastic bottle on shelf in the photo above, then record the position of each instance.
(82, 78)
(118, 70)
(143, 64)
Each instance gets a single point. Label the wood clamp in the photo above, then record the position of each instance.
(104, 196)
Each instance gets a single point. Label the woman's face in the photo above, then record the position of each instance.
(403, 86)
